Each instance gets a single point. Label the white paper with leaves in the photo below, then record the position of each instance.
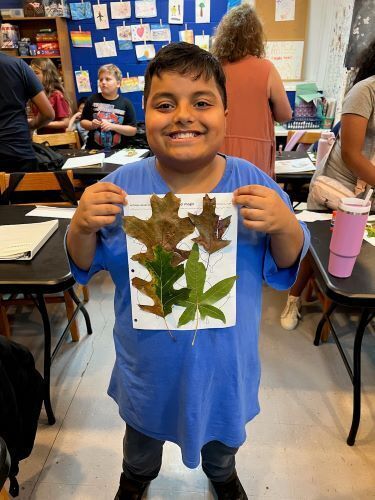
(219, 265)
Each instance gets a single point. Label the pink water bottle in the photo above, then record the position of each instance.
(327, 138)
(347, 236)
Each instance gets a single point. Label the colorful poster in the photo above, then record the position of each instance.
(129, 84)
(176, 11)
(81, 11)
(101, 16)
(287, 57)
(81, 39)
(105, 49)
(145, 52)
(145, 8)
(83, 80)
(285, 10)
(202, 11)
(124, 37)
(186, 36)
(140, 32)
(120, 10)
(160, 33)
(203, 41)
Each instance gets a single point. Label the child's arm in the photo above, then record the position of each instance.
(264, 210)
(45, 111)
(72, 121)
(91, 124)
(97, 208)
(128, 130)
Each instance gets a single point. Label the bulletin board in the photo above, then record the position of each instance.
(84, 58)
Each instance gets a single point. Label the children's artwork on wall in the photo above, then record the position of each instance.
(145, 52)
(81, 11)
(129, 84)
(120, 10)
(81, 39)
(203, 41)
(186, 36)
(124, 37)
(141, 83)
(285, 10)
(83, 80)
(198, 261)
(105, 49)
(176, 11)
(202, 11)
(287, 57)
(160, 33)
(101, 16)
(140, 32)
(145, 8)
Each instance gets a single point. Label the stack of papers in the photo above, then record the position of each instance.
(54, 212)
(89, 161)
(22, 241)
(126, 156)
(294, 166)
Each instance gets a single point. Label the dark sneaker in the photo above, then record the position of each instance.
(229, 490)
(131, 490)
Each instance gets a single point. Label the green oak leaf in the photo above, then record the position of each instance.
(160, 289)
(200, 302)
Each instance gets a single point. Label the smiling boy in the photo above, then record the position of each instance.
(199, 397)
(108, 116)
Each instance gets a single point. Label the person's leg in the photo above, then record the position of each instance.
(290, 315)
(219, 465)
(141, 464)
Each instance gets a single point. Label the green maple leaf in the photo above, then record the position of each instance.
(199, 301)
(164, 228)
(211, 228)
(160, 289)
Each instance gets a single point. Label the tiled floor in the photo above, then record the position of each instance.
(296, 447)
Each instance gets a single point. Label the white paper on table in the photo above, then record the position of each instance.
(88, 161)
(101, 16)
(202, 11)
(53, 212)
(126, 156)
(307, 216)
(293, 166)
(222, 264)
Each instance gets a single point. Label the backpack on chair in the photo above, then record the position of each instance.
(48, 158)
(21, 397)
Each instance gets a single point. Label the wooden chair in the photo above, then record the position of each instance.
(309, 137)
(59, 139)
(39, 182)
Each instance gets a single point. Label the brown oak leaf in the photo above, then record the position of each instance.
(164, 228)
(211, 228)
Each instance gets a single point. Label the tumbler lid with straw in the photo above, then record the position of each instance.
(355, 205)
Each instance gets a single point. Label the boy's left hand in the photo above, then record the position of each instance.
(106, 126)
(263, 209)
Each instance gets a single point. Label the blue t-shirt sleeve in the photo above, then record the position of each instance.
(32, 84)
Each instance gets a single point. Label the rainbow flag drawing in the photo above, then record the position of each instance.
(81, 39)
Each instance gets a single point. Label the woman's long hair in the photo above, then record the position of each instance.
(239, 34)
(51, 77)
(365, 63)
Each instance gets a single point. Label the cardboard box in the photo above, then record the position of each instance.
(56, 8)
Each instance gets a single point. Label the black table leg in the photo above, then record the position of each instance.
(325, 318)
(82, 308)
(365, 317)
(47, 358)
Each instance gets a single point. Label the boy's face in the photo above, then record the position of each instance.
(185, 121)
(108, 84)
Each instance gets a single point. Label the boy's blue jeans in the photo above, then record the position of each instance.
(143, 456)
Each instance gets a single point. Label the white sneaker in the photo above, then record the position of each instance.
(290, 315)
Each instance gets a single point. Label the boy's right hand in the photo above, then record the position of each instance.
(95, 123)
(98, 207)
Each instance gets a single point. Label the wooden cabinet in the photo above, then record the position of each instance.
(29, 27)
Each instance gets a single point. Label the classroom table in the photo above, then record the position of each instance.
(48, 272)
(295, 183)
(357, 291)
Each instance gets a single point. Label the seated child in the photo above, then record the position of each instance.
(108, 116)
(75, 122)
(200, 396)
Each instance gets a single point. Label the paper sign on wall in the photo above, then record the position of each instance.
(120, 10)
(140, 32)
(81, 11)
(129, 84)
(186, 36)
(285, 10)
(124, 37)
(176, 11)
(83, 81)
(145, 52)
(81, 39)
(101, 16)
(203, 41)
(160, 33)
(287, 57)
(105, 49)
(202, 11)
(145, 8)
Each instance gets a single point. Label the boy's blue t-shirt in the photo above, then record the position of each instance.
(172, 390)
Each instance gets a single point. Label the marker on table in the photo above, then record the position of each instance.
(280, 149)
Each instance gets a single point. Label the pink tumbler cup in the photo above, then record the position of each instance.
(347, 236)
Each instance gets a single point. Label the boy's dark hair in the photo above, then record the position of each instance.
(365, 63)
(186, 59)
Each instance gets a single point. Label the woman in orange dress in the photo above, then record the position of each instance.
(256, 94)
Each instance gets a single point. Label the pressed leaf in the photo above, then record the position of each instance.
(199, 302)
(210, 227)
(160, 289)
(164, 228)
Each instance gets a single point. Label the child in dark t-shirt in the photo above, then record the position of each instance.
(108, 116)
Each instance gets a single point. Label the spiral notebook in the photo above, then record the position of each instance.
(22, 241)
